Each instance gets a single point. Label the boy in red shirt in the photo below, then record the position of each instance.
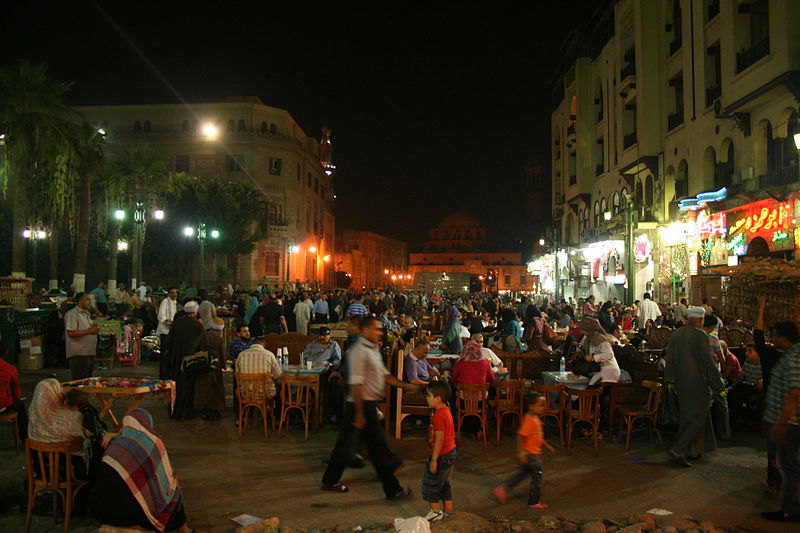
(530, 439)
(442, 443)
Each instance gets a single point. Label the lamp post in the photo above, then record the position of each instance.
(202, 234)
(291, 249)
(139, 219)
(34, 236)
(630, 275)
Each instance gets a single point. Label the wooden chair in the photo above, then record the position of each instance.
(56, 475)
(647, 411)
(300, 393)
(406, 404)
(588, 411)
(623, 395)
(508, 401)
(659, 337)
(11, 418)
(472, 401)
(553, 409)
(251, 392)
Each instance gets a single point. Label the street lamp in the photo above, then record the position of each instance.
(122, 245)
(158, 214)
(188, 231)
(34, 236)
(210, 131)
(313, 249)
(119, 214)
(202, 232)
(139, 218)
(326, 258)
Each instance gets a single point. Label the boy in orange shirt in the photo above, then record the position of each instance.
(442, 443)
(530, 439)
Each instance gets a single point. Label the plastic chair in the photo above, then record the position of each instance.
(11, 418)
(297, 392)
(472, 401)
(251, 391)
(508, 401)
(553, 409)
(648, 411)
(56, 475)
(588, 411)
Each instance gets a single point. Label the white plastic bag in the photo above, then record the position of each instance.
(415, 524)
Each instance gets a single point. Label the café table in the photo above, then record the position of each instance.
(305, 371)
(108, 390)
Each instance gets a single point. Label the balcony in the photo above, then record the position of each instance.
(713, 10)
(278, 230)
(712, 93)
(781, 176)
(627, 70)
(628, 140)
(746, 58)
(675, 45)
(674, 120)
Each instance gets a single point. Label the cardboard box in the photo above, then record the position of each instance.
(31, 354)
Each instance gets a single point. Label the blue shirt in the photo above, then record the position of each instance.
(321, 307)
(237, 347)
(416, 369)
(784, 377)
(323, 355)
(101, 295)
(357, 309)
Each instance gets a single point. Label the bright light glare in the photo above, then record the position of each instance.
(541, 242)
(326, 258)
(119, 214)
(385, 270)
(210, 130)
(158, 214)
(796, 140)
(607, 216)
(313, 249)
(122, 245)
(295, 249)
(26, 233)
(41, 234)
(394, 277)
(188, 231)
(101, 131)
(215, 234)
(408, 276)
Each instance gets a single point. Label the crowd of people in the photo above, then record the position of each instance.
(701, 376)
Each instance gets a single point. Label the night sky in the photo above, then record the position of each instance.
(434, 106)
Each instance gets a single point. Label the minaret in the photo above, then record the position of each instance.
(326, 152)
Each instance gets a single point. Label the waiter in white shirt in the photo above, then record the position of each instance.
(166, 312)
(648, 310)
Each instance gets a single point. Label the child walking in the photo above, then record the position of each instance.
(530, 439)
(441, 440)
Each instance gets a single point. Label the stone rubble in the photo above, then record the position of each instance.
(463, 522)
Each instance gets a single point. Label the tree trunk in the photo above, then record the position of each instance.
(112, 260)
(18, 216)
(54, 235)
(82, 244)
(237, 267)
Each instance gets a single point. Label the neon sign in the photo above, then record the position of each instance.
(642, 249)
(764, 218)
(701, 199)
(711, 225)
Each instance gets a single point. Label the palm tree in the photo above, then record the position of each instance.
(38, 127)
(88, 166)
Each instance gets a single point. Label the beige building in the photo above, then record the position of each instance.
(366, 260)
(662, 101)
(241, 138)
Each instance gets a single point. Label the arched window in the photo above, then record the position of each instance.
(603, 207)
(273, 129)
(185, 126)
(596, 214)
(240, 125)
(264, 127)
(598, 99)
(615, 203)
(231, 126)
(147, 127)
(723, 175)
(137, 127)
(709, 168)
(623, 197)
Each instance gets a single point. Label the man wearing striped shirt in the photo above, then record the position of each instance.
(357, 308)
(258, 360)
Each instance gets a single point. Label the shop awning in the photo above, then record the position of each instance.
(764, 269)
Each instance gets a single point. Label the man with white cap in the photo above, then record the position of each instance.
(690, 369)
(185, 338)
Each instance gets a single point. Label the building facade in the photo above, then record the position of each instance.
(666, 115)
(243, 139)
(460, 256)
(366, 260)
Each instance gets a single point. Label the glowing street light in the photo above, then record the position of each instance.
(188, 231)
(41, 234)
(313, 249)
(210, 131)
(386, 271)
(122, 245)
(541, 242)
(607, 216)
(326, 258)
(158, 214)
(215, 234)
(295, 249)
(119, 214)
(27, 233)
(394, 277)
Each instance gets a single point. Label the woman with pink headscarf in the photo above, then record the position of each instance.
(472, 368)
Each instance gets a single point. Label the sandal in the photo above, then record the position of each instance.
(336, 487)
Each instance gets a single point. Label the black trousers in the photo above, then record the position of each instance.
(383, 458)
(22, 418)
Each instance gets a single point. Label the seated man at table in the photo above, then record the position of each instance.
(416, 369)
(323, 351)
(258, 360)
(240, 343)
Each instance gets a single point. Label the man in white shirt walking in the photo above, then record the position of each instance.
(648, 310)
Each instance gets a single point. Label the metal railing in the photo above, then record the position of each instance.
(746, 58)
(781, 176)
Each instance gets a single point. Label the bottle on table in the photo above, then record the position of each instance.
(562, 364)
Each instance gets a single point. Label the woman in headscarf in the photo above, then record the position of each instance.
(451, 336)
(599, 350)
(209, 390)
(512, 331)
(534, 329)
(472, 369)
(50, 420)
(136, 486)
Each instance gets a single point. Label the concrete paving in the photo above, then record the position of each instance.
(224, 475)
